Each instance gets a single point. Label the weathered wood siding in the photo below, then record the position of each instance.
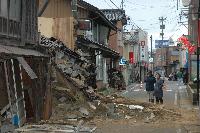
(57, 21)
(57, 9)
(3, 88)
(60, 28)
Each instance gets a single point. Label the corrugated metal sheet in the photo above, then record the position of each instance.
(27, 68)
(19, 51)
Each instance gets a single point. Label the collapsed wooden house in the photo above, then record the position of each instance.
(25, 87)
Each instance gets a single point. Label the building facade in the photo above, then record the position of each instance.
(26, 89)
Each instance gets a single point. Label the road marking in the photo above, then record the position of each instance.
(168, 90)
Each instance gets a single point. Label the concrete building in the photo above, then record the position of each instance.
(194, 37)
(74, 24)
(144, 54)
(136, 42)
(168, 59)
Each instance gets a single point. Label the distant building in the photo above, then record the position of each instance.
(167, 58)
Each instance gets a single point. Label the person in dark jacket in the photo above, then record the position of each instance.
(150, 80)
(158, 91)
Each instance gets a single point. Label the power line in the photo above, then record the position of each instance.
(108, 4)
(114, 4)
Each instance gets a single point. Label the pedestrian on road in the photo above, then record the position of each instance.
(179, 75)
(150, 80)
(158, 90)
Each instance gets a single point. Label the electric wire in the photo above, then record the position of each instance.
(108, 4)
(114, 4)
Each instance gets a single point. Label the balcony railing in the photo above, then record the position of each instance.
(10, 28)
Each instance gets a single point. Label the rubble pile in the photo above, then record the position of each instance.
(110, 107)
(72, 66)
(122, 108)
(116, 79)
(69, 98)
(57, 128)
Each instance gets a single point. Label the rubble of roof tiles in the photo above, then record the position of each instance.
(76, 69)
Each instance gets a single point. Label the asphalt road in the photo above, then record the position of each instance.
(175, 94)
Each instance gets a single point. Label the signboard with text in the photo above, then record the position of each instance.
(142, 50)
(131, 58)
(122, 61)
(162, 43)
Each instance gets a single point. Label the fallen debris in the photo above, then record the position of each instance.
(92, 106)
(78, 71)
(56, 128)
(84, 111)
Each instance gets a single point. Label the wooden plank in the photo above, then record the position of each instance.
(7, 84)
(20, 66)
(15, 87)
(3, 87)
(60, 28)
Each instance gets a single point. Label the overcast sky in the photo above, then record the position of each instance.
(145, 14)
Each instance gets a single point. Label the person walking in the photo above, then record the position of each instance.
(150, 80)
(158, 90)
(179, 75)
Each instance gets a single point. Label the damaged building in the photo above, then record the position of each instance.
(73, 73)
(25, 88)
(84, 29)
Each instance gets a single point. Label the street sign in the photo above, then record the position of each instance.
(122, 61)
(150, 60)
(161, 43)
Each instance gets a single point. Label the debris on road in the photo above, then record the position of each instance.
(56, 128)
(75, 97)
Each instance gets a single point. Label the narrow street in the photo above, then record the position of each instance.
(75, 66)
(175, 96)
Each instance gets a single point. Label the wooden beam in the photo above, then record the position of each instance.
(7, 84)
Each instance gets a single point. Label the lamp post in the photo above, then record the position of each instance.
(198, 54)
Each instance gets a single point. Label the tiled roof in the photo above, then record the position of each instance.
(97, 45)
(99, 12)
(55, 44)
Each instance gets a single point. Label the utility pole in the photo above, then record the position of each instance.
(122, 4)
(198, 50)
(151, 47)
(162, 27)
(151, 53)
